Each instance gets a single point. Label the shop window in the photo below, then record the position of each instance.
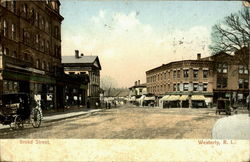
(221, 82)
(195, 87)
(71, 73)
(195, 74)
(185, 73)
(185, 87)
(205, 73)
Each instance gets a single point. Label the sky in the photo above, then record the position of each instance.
(132, 37)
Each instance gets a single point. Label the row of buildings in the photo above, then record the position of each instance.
(204, 79)
(31, 59)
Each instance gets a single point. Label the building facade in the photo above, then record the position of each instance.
(30, 49)
(211, 77)
(137, 90)
(89, 65)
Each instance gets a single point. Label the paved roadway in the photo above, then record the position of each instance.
(126, 122)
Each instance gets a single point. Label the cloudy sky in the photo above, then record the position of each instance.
(131, 37)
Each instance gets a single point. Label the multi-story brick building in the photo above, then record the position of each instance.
(30, 49)
(89, 65)
(208, 78)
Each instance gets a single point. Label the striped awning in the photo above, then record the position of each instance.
(183, 97)
(173, 98)
(149, 98)
(164, 98)
(198, 97)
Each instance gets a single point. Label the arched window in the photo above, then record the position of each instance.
(13, 31)
(37, 63)
(5, 28)
(43, 65)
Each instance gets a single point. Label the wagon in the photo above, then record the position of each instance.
(17, 109)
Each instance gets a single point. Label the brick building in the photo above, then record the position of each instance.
(30, 49)
(207, 79)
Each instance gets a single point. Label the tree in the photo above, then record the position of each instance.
(233, 33)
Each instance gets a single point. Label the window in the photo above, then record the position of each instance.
(222, 68)
(42, 45)
(174, 87)
(47, 26)
(178, 73)
(13, 6)
(178, 86)
(38, 64)
(36, 19)
(246, 85)
(6, 51)
(195, 73)
(195, 87)
(221, 82)
(205, 73)
(174, 74)
(25, 9)
(243, 69)
(14, 54)
(204, 86)
(185, 87)
(42, 23)
(5, 28)
(185, 73)
(43, 65)
(13, 31)
(241, 83)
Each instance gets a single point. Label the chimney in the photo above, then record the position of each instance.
(138, 82)
(82, 54)
(77, 54)
(198, 56)
(135, 83)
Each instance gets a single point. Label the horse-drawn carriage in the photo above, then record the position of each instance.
(224, 105)
(17, 109)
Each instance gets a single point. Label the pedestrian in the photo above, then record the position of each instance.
(88, 104)
(109, 104)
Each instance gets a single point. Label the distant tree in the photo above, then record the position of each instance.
(233, 33)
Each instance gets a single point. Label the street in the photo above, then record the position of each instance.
(126, 122)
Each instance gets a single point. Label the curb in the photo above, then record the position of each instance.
(73, 116)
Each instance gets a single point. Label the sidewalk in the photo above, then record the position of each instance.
(56, 116)
(232, 127)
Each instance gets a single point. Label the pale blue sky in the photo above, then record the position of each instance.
(122, 32)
